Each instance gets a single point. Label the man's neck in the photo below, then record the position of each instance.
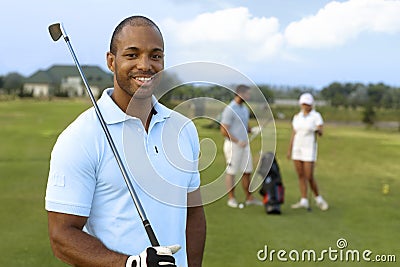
(140, 108)
(238, 100)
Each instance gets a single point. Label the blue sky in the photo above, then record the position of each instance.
(279, 42)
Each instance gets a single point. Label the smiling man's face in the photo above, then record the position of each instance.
(138, 57)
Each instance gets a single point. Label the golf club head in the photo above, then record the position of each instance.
(56, 31)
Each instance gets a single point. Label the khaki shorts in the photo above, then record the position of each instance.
(238, 159)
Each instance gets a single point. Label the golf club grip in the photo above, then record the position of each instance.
(151, 234)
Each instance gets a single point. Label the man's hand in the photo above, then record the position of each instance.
(154, 257)
(242, 143)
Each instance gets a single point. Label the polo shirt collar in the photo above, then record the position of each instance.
(113, 114)
(306, 115)
(237, 104)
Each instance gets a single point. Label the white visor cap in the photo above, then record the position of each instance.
(307, 99)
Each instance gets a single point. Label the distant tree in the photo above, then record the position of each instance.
(267, 92)
(396, 98)
(1, 81)
(359, 97)
(387, 100)
(338, 94)
(396, 104)
(376, 93)
(176, 93)
(339, 99)
(13, 82)
(295, 93)
(168, 83)
(369, 114)
(221, 93)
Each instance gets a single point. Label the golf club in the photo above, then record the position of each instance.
(260, 129)
(57, 31)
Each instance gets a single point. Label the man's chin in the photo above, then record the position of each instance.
(143, 92)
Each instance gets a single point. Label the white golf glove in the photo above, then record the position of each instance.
(255, 130)
(154, 257)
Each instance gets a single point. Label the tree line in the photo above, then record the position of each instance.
(348, 95)
(356, 95)
(12, 83)
(369, 97)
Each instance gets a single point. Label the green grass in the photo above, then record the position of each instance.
(341, 114)
(28, 132)
(352, 167)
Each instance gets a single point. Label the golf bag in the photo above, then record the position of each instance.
(272, 188)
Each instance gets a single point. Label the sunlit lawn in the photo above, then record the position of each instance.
(353, 166)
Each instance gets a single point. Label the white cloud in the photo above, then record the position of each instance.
(224, 34)
(339, 22)
(257, 44)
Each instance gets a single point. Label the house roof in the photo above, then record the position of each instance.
(54, 75)
(40, 77)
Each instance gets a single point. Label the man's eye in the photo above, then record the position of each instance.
(131, 55)
(158, 56)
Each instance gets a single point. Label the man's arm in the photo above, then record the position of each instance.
(224, 128)
(195, 230)
(75, 247)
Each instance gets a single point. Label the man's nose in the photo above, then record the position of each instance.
(144, 63)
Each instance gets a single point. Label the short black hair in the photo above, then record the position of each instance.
(131, 21)
(241, 88)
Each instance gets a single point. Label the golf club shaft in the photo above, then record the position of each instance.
(138, 205)
(253, 136)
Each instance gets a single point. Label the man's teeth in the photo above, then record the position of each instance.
(143, 79)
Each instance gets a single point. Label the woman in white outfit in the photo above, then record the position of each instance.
(306, 125)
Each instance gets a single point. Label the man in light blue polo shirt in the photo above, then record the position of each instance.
(92, 218)
(235, 127)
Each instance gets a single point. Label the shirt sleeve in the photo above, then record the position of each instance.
(318, 119)
(195, 180)
(71, 182)
(227, 116)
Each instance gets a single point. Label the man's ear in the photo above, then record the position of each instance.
(110, 61)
